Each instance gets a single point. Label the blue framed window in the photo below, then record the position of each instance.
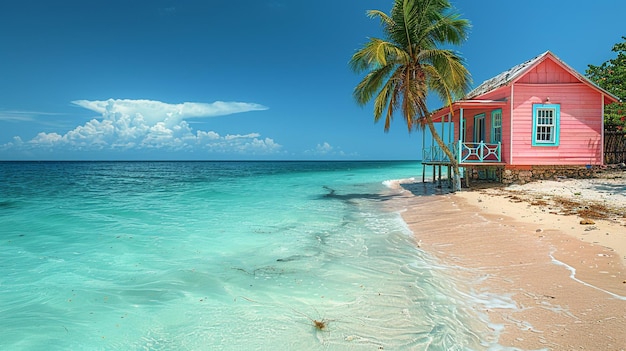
(546, 124)
(496, 126)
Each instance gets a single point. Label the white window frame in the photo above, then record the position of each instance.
(546, 126)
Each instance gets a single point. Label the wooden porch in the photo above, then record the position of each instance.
(477, 160)
(470, 152)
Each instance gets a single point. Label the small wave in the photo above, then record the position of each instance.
(573, 277)
(395, 183)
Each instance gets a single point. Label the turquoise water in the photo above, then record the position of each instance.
(220, 256)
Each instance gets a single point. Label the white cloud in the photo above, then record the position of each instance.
(46, 139)
(24, 116)
(16, 116)
(146, 124)
(153, 112)
(237, 136)
(323, 148)
(326, 150)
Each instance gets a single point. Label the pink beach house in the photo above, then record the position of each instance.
(537, 120)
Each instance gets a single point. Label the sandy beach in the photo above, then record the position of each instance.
(556, 248)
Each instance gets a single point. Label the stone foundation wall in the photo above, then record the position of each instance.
(523, 175)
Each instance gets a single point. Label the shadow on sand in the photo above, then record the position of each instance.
(332, 195)
(416, 188)
(426, 188)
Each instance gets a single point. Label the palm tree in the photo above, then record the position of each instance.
(408, 63)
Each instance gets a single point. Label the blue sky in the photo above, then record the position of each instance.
(249, 79)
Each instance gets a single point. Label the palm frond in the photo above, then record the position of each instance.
(385, 20)
(407, 64)
(370, 84)
(448, 74)
(384, 101)
(377, 53)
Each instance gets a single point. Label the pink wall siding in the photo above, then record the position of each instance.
(580, 124)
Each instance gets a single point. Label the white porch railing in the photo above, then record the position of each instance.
(436, 154)
(469, 153)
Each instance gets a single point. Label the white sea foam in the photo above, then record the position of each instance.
(573, 277)
(397, 183)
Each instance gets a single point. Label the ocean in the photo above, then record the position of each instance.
(222, 256)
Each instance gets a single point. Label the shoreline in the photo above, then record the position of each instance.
(568, 281)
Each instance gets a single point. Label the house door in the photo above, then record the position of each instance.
(479, 128)
(496, 126)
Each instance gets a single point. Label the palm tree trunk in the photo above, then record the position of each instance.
(453, 161)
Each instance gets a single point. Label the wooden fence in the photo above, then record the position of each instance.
(614, 147)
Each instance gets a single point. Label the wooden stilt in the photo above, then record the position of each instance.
(439, 180)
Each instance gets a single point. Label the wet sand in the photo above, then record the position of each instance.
(568, 279)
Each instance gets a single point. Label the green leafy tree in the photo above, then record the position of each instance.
(611, 76)
(409, 63)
